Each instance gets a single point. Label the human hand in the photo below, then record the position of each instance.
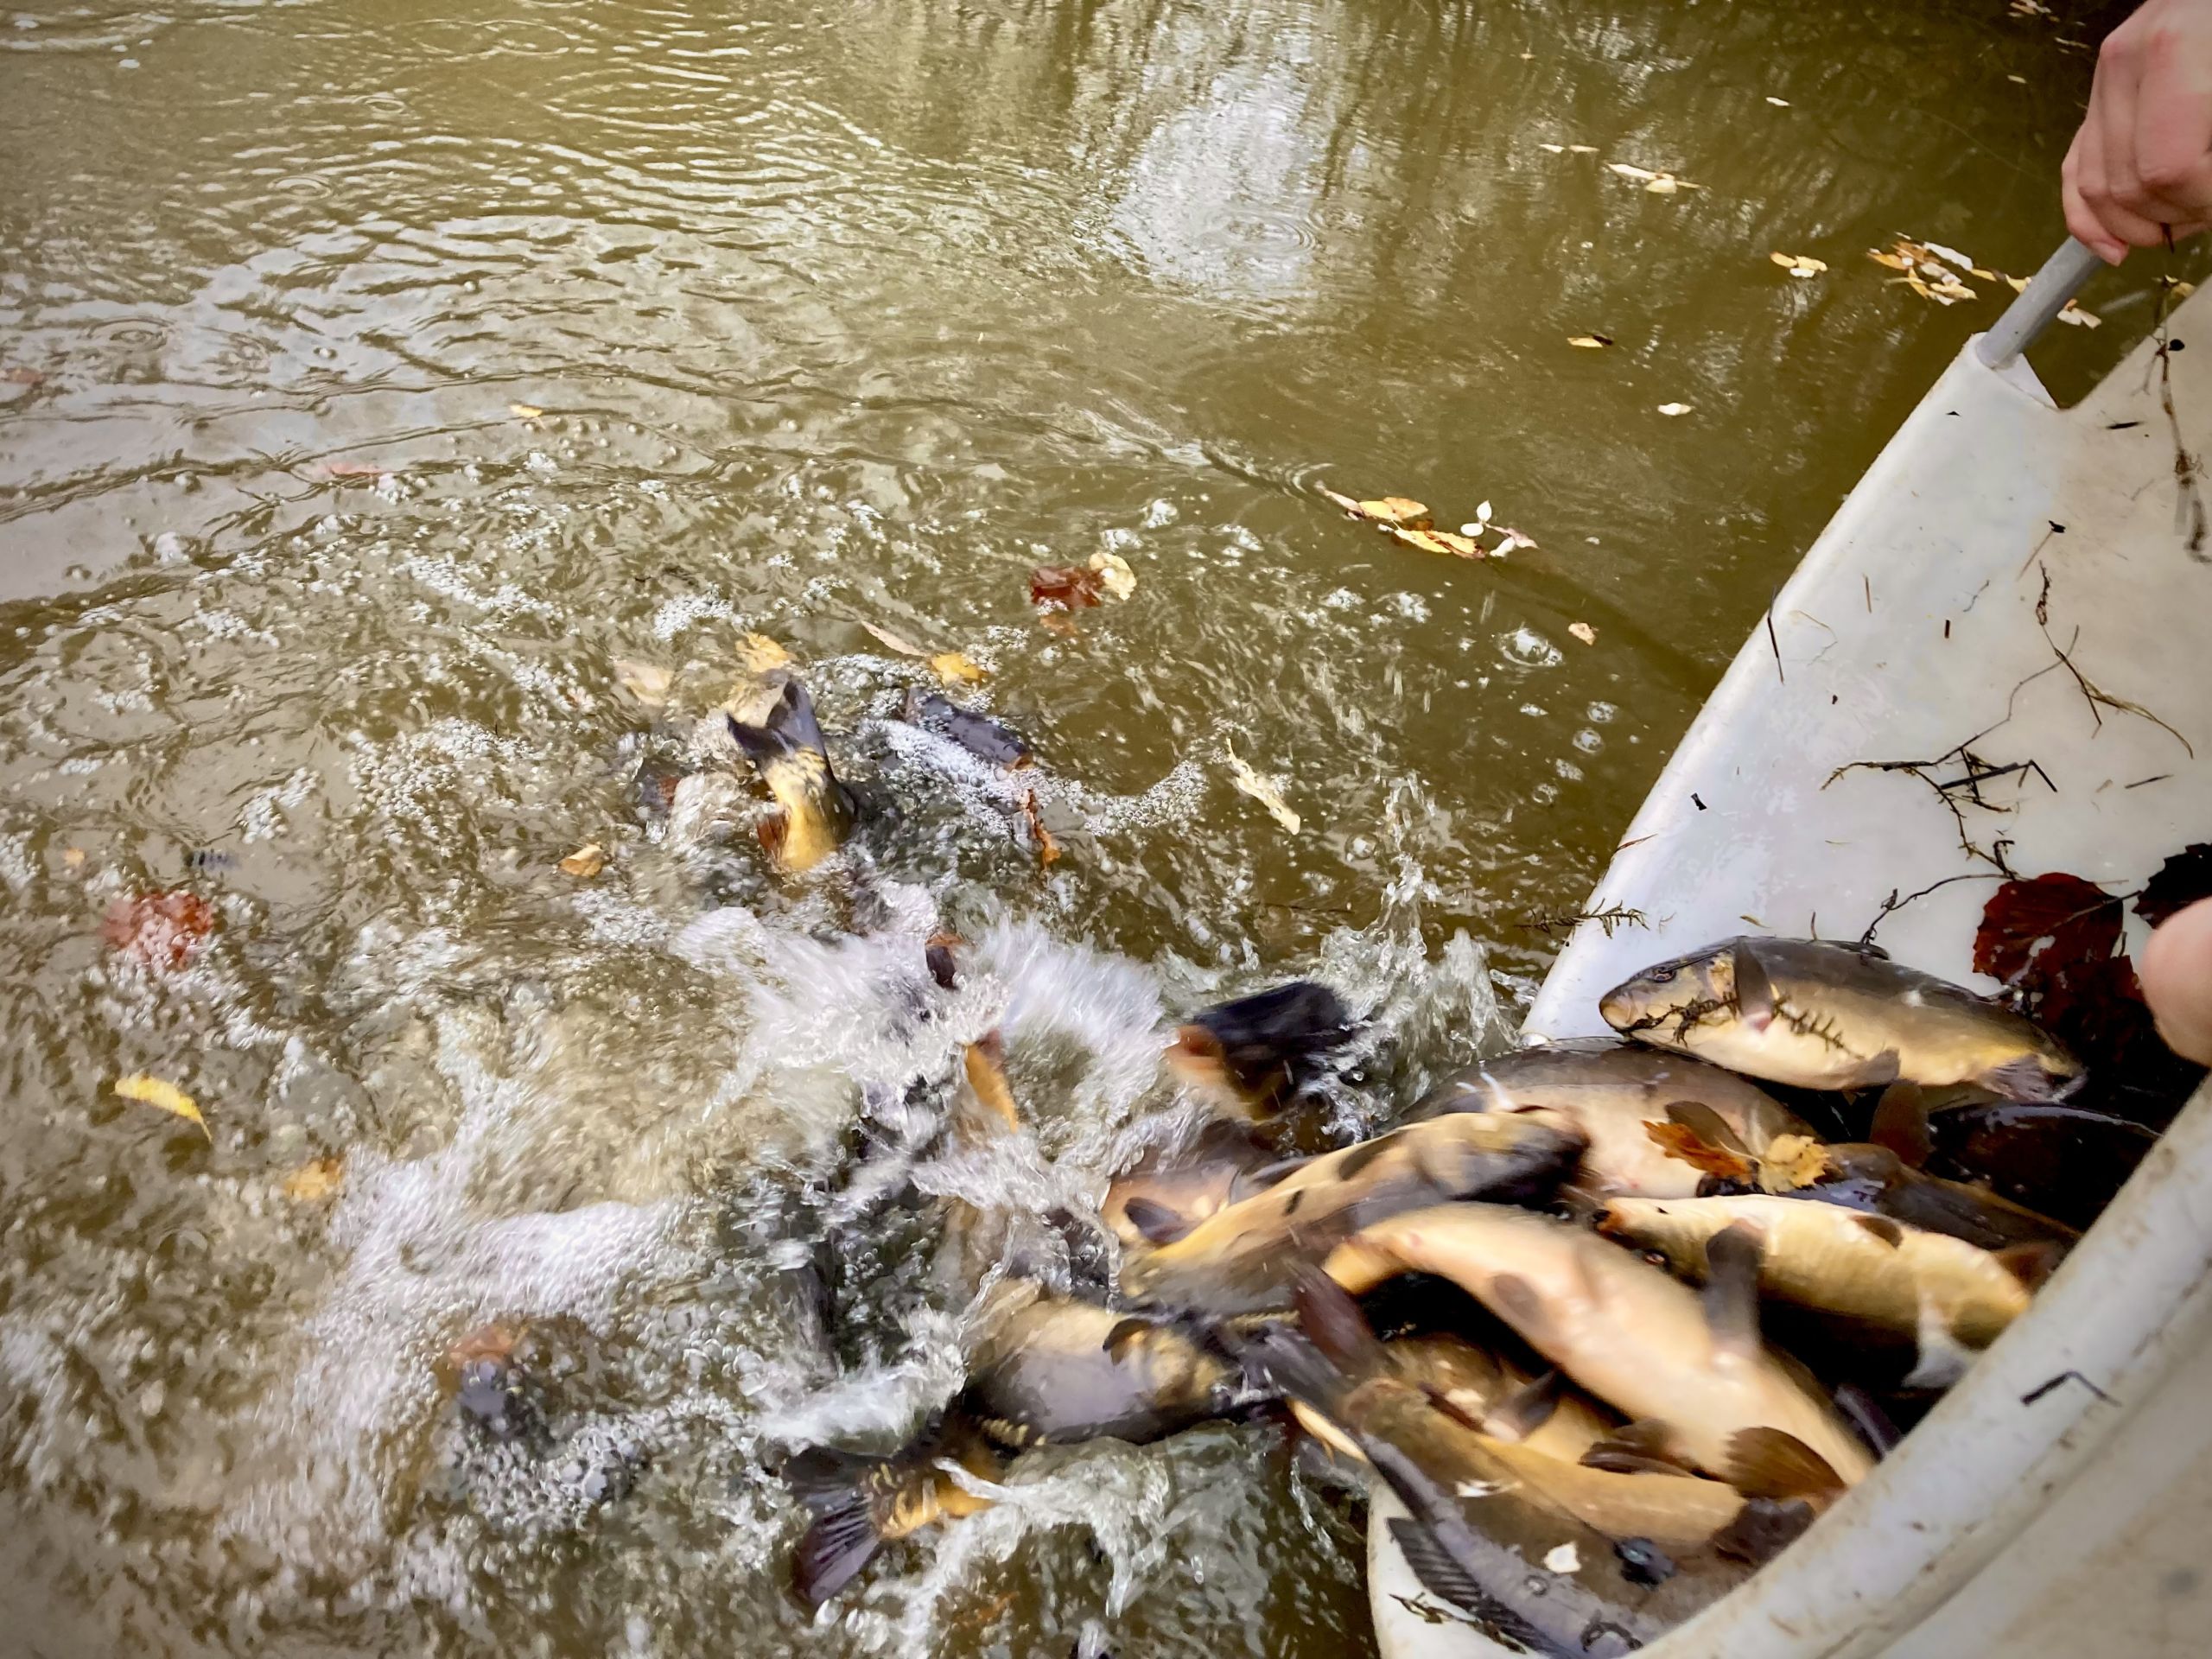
(2177, 974)
(2141, 165)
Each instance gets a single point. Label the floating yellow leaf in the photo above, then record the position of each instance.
(2081, 319)
(1675, 409)
(1115, 579)
(1393, 510)
(2182, 291)
(1628, 172)
(2017, 284)
(1949, 290)
(73, 858)
(954, 669)
(524, 411)
(1589, 342)
(1799, 264)
(586, 861)
(648, 683)
(317, 1179)
(165, 1097)
(1986, 276)
(898, 643)
(1582, 149)
(1894, 261)
(1556, 150)
(1778, 103)
(1583, 632)
(1440, 541)
(1261, 790)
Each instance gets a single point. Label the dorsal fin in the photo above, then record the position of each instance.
(1707, 1125)
(1333, 1321)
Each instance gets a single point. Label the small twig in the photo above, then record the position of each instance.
(1774, 644)
(2189, 498)
(1560, 921)
(1892, 904)
(2098, 695)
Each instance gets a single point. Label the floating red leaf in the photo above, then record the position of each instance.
(2034, 930)
(2181, 881)
(1069, 587)
(162, 929)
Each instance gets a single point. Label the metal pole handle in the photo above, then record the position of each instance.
(2042, 299)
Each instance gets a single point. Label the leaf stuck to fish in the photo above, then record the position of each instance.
(317, 1179)
(1048, 850)
(1583, 632)
(1589, 342)
(162, 1096)
(524, 411)
(647, 681)
(1261, 790)
(1791, 1161)
(1799, 264)
(586, 861)
(1680, 1141)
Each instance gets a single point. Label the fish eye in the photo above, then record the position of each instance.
(1662, 976)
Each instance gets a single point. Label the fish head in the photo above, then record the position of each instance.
(1668, 1001)
(1263, 1048)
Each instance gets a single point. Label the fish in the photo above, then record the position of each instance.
(1254, 1054)
(1818, 1014)
(1049, 1371)
(1171, 1188)
(1543, 1555)
(1713, 1396)
(1242, 1258)
(981, 736)
(777, 731)
(1511, 1405)
(2063, 1161)
(1954, 1298)
(1645, 1112)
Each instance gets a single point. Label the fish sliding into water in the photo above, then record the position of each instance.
(774, 726)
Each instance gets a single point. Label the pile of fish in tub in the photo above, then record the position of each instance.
(1613, 1321)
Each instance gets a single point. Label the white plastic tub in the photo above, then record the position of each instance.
(2058, 1501)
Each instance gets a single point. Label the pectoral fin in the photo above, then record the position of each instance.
(1526, 1409)
(1731, 1287)
(1155, 1221)
(1901, 1123)
(1755, 998)
(1769, 1462)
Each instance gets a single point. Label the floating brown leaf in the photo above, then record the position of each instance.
(162, 929)
(163, 1096)
(1068, 587)
(1060, 623)
(1679, 1141)
(317, 1179)
(898, 642)
(1048, 850)
(2180, 882)
(586, 861)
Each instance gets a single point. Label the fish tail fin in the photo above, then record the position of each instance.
(1769, 1462)
(782, 739)
(845, 1529)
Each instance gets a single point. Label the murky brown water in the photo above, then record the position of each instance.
(834, 314)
